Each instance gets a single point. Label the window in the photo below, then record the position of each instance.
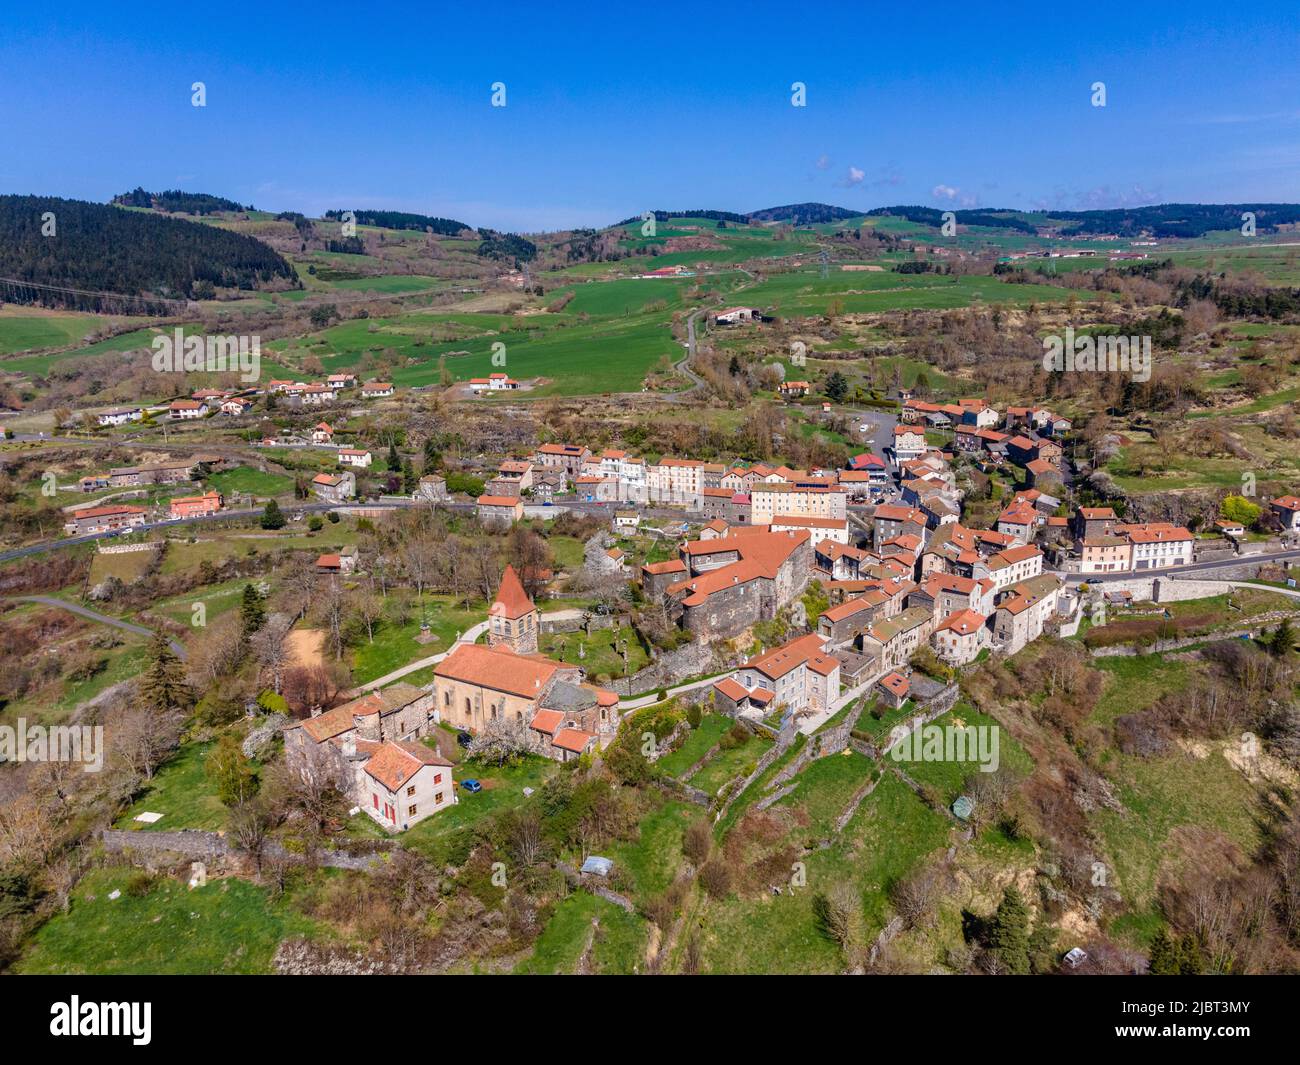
(437, 799)
(437, 779)
(411, 790)
(376, 800)
(410, 811)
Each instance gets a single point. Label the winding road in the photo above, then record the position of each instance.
(103, 619)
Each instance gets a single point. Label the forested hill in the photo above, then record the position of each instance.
(803, 214)
(100, 248)
(1166, 220)
(1180, 219)
(993, 218)
(448, 227)
(177, 202)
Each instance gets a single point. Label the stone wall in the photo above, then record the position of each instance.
(672, 667)
(551, 625)
(122, 549)
(208, 846)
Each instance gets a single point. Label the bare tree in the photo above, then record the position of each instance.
(271, 649)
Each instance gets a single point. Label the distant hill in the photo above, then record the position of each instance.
(711, 215)
(1185, 220)
(421, 223)
(1178, 219)
(803, 214)
(507, 246)
(97, 247)
(174, 201)
(994, 218)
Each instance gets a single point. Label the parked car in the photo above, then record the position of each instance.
(464, 739)
(471, 785)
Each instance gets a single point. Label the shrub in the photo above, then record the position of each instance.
(716, 878)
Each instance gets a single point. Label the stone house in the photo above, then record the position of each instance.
(335, 487)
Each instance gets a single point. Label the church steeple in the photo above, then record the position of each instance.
(513, 618)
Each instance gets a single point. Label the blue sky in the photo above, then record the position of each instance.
(610, 113)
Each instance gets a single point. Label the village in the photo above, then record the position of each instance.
(911, 593)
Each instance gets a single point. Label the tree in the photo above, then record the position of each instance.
(271, 516)
(230, 772)
(368, 609)
(1282, 639)
(499, 742)
(1239, 508)
(249, 823)
(1009, 934)
(162, 685)
(837, 387)
(252, 612)
(839, 916)
(531, 556)
(322, 316)
(143, 737)
(1164, 955)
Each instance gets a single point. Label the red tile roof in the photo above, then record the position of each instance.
(512, 601)
(499, 669)
(393, 764)
(572, 739)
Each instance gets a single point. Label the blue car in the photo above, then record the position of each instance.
(471, 785)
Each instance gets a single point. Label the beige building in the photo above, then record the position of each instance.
(475, 685)
(513, 618)
(894, 640)
(676, 481)
(770, 501)
(961, 636)
(405, 783)
(798, 675)
(1105, 553)
(1022, 615)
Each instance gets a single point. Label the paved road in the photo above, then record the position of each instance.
(600, 510)
(103, 619)
(1174, 571)
(470, 635)
(637, 701)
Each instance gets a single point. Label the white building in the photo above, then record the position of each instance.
(120, 416)
(359, 458)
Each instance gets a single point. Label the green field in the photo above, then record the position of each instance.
(182, 793)
(248, 481)
(228, 926)
(587, 929)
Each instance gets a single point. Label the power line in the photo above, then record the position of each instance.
(22, 284)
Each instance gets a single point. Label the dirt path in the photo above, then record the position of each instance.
(306, 647)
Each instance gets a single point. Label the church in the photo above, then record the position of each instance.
(508, 682)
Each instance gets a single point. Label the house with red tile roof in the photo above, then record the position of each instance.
(404, 783)
(728, 583)
(798, 675)
(1287, 511)
(961, 636)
